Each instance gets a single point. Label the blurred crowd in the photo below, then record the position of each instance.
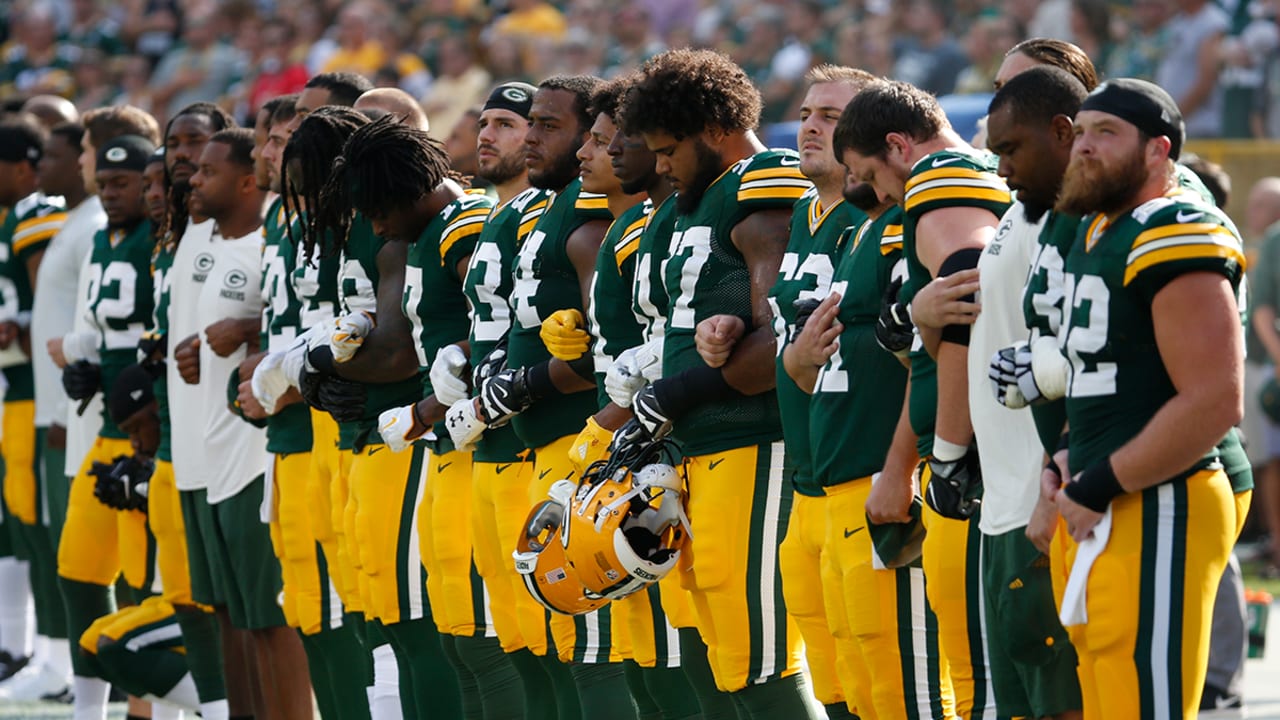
(1220, 60)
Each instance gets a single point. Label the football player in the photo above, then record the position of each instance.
(818, 223)
(697, 112)
(901, 144)
(1154, 266)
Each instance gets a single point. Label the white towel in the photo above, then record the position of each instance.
(1074, 610)
(267, 510)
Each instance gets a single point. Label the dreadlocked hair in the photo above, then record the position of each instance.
(315, 147)
(175, 222)
(385, 165)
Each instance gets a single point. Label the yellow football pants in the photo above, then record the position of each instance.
(98, 542)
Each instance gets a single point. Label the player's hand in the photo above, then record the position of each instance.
(650, 414)
(349, 332)
(249, 405)
(632, 436)
(1029, 374)
(153, 346)
(448, 375)
(1080, 519)
(504, 396)
(82, 379)
(225, 336)
(563, 335)
(344, 399)
(1043, 524)
(107, 488)
(627, 374)
(489, 365)
(187, 356)
(54, 346)
(716, 336)
(941, 303)
(399, 428)
(464, 424)
(819, 339)
(10, 331)
(269, 382)
(890, 500)
(894, 329)
(955, 487)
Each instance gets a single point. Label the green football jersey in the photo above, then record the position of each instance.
(433, 299)
(1114, 270)
(706, 275)
(614, 326)
(357, 282)
(649, 299)
(488, 286)
(161, 263)
(546, 281)
(25, 232)
(861, 380)
(805, 274)
(121, 302)
(945, 179)
(289, 430)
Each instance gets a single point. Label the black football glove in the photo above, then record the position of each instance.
(955, 488)
(650, 413)
(106, 486)
(82, 379)
(505, 395)
(123, 484)
(894, 329)
(490, 364)
(344, 399)
(309, 387)
(153, 346)
(804, 310)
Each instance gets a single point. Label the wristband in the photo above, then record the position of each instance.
(538, 382)
(1064, 442)
(1095, 487)
(1052, 466)
(584, 367)
(417, 419)
(698, 385)
(944, 451)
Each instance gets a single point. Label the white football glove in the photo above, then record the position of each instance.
(394, 426)
(630, 372)
(1023, 374)
(270, 379)
(465, 427)
(349, 332)
(448, 372)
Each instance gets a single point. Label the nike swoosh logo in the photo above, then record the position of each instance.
(712, 465)
(850, 533)
(375, 449)
(544, 473)
(1189, 217)
(500, 468)
(789, 162)
(440, 468)
(939, 162)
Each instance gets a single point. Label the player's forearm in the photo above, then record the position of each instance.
(952, 423)
(931, 338)
(387, 355)
(900, 463)
(750, 369)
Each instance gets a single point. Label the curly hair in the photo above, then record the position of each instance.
(179, 193)
(606, 99)
(684, 92)
(885, 107)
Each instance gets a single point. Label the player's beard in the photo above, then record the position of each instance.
(556, 177)
(1090, 186)
(507, 168)
(707, 170)
(862, 196)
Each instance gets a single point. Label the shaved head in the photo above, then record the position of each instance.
(51, 110)
(397, 102)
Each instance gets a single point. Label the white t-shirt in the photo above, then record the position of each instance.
(192, 264)
(236, 450)
(51, 315)
(82, 429)
(1008, 445)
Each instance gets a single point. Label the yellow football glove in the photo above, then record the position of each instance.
(563, 335)
(592, 444)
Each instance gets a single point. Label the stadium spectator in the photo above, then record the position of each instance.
(198, 71)
(929, 58)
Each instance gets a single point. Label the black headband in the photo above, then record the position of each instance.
(514, 96)
(1145, 105)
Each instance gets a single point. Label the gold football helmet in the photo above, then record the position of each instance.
(540, 558)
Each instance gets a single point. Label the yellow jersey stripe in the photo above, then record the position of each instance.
(792, 172)
(592, 202)
(1182, 252)
(957, 193)
(1165, 231)
(452, 238)
(780, 193)
(626, 250)
(32, 238)
(949, 172)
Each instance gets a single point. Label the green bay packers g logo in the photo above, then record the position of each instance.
(235, 280)
(117, 154)
(515, 94)
(204, 262)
